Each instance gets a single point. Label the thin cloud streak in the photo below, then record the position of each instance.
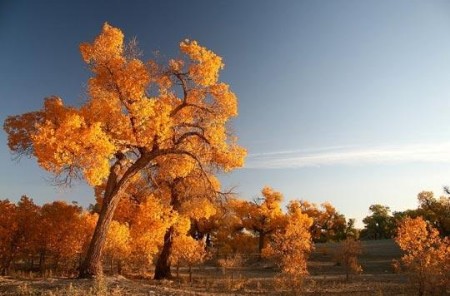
(348, 155)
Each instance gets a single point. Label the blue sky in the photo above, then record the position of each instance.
(340, 101)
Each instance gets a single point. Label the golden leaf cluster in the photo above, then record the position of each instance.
(426, 255)
(176, 115)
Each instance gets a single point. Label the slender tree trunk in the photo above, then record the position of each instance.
(55, 264)
(92, 265)
(190, 274)
(111, 265)
(261, 243)
(42, 262)
(162, 269)
(6, 266)
(119, 267)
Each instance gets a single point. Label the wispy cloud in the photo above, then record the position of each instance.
(351, 155)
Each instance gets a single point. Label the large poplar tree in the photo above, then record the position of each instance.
(137, 115)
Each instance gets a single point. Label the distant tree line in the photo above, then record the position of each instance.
(382, 224)
(54, 237)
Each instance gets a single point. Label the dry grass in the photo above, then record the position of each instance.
(326, 278)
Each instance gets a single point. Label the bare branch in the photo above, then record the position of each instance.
(132, 50)
(447, 189)
(183, 85)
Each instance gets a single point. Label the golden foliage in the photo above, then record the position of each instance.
(328, 223)
(106, 47)
(118, 239)
(262, 218)
(57, 232)
(66, 140)
(291, 245)
(427, 255)
(167, 120)
(188, 251)
(120, 118)
(62, 233)
(148, 227)
(206, 66)
(347, 256)
(8, 228)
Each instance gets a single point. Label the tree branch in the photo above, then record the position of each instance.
(124, 102)
(184, 87)
(185, 104)
(191, 155)
(191, 134)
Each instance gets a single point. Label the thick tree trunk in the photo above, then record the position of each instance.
(162, 268)
(92, 265)
(117, 182)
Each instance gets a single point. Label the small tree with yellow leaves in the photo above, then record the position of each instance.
(347, 256)
(187, 251)
(148, 225)
(190, 198)
(61, 234)
(8, 227)
(291, 246)
(263, 217)
(426, 256)
(117, 246)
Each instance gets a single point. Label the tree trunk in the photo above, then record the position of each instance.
(119, 267)
(92, 265)
(261, 243)
(55, 264)
(118, 180)
(190, 274)
(111, 265)
(32, 263)
(162, 269)
(42, 262)
(6, 266)
(208, 240)
(7, 263)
